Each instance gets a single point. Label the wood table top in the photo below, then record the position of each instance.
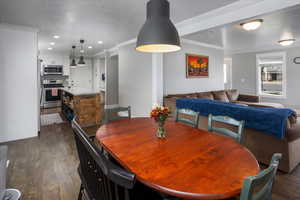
(189, 163)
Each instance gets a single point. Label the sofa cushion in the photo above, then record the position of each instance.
(220, 96)
(189, 95)
(206, 95)
(232, 95)
(193, 95)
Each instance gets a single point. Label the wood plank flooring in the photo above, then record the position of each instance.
(45, 168)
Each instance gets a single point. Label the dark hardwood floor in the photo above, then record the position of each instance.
(45, 168)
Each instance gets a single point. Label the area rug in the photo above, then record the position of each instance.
(49, 119)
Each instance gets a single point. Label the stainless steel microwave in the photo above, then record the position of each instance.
(53, 70)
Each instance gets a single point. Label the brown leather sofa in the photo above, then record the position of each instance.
(262, 145)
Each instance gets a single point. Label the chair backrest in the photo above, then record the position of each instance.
(193, 117)
(111, 114)
(3, 163)
(99, 175)
(260, 187)
(238, 136)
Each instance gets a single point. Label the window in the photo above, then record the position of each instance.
(271, 74)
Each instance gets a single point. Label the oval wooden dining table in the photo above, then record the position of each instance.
(189, 163)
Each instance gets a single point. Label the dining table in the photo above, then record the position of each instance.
(190, 163)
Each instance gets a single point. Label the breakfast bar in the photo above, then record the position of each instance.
(86, 104)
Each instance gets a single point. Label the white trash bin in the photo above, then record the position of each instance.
(12, 194)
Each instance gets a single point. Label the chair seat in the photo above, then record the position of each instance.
(142, 192)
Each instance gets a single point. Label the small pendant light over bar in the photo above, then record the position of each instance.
(81, 58)
(73, 62)
(158, 35)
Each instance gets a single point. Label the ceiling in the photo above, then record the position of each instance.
(277, 26)
(110, 21)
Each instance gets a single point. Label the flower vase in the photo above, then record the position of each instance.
(161, 132)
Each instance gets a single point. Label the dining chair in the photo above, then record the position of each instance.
(188, 117)
(259, 187)
(101, 178)
(112, 114)
(238, 136)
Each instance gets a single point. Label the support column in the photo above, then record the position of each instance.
(157, 79)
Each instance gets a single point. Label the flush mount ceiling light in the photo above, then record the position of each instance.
(73, 62)
(252, 25)
(52, 43)
(100, 42)
(50, 48)
(81, 58)
(286, 42)
(158, 35)
(90, 47)
(56, 36)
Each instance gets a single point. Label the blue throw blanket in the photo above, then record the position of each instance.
(269, 120)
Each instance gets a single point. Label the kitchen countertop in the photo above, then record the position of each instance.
(82, 91)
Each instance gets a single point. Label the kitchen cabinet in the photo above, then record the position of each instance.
(66, 70)
(86, 104)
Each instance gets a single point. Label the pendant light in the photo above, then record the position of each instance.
(81, 58)
(158, 35)
(73, 62)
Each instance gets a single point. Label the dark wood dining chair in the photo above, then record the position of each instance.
(260, 187)
(238, 136)
(112, 114)
(101, 178)
(188, 117)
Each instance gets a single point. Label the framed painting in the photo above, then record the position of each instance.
(197, 66)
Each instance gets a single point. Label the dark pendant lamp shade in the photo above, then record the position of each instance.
(81, 58)
(158, 35)
(73, 62)
(81, 61)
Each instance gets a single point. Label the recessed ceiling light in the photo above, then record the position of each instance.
(56, 36)
(90, 47)
(252, 25)
(50, 48)
(100, 42)
(52, 43)
(286, 42)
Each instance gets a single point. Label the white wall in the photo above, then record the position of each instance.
(82, 76)
(244, 76)
(175, 80)
(112, 80)
(18, 83)
(244, 73)
(135, 80)
(102, 71)
(138, 71)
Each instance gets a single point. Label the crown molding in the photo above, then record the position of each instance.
(273, 47)
(19, 28)
(186, 41)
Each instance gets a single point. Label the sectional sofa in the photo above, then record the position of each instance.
(262, 145)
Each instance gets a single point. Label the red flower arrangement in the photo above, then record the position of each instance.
(160, 114)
